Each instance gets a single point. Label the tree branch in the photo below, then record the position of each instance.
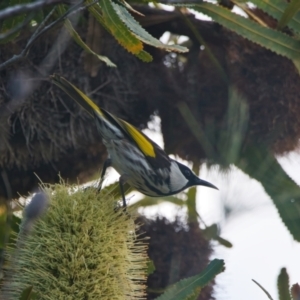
(39, 32)
(29, 7)
(17, 28)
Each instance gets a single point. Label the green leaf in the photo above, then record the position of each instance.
(144, 56)
(186, 288)
(223, 242)
(80, 42)
(212, 233)
(291, 10)
(112, 190)
(276, 9)
(150, 201)
(2, 224)
(84, 46)
(28, 294)
(275, 41)
(150, 267)
(10, 23)
(263, 289)
(141, 33)
(283, 285)
(260, 164)
(14, 226)
(129, 7)
(117, 28)
(191, 200)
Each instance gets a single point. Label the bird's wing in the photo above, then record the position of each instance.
(156, 156)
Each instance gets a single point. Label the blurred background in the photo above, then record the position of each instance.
(215, 83)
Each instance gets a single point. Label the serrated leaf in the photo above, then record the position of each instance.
(283, 285)
(186, 287)
(263, 289)
(276, 9)
(84, 46)
(141, 33)
(117, 28)
(144, 56)
(291, 10)
(273, 40)
(129, 7)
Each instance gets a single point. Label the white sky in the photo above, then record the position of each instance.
(262, 244)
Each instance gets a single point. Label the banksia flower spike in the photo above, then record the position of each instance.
(82, 248)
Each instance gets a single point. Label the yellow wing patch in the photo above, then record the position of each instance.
(145, 146)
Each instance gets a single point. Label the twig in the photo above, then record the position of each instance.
(29, 7)
(16, 28)
(38, 33)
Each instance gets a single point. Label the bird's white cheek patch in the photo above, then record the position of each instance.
(177, 179)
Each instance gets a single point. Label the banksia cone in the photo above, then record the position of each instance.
(82, 248)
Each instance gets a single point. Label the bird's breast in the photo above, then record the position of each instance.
(128, 160)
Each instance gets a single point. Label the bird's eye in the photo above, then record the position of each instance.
(187, 173)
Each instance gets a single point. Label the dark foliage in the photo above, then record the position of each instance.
(44, 132)
(177, 251)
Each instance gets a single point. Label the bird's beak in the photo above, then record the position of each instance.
(206, 183)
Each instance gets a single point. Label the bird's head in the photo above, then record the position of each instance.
(192, 178)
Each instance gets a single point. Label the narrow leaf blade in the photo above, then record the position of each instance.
(259, 163)
(291, 10)
(141, 33)
(84, 46)
(150, 201)
(277, 42)
(27, 294)
(117, 28)
(283, 285)
(276, 9)
(187, 287)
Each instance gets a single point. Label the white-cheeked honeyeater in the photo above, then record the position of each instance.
(139, 161)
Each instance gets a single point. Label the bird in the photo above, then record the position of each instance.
(141, 163)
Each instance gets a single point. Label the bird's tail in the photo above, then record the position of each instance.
(82, 99)
(109, 126)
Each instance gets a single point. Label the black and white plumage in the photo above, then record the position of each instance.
(140, 162)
